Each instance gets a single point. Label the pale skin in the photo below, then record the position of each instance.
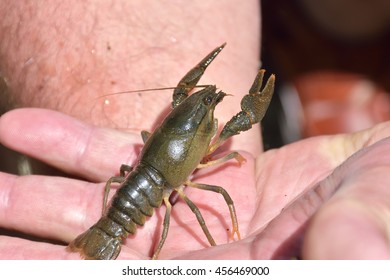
(343, 215)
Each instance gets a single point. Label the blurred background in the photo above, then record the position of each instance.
(332, 61)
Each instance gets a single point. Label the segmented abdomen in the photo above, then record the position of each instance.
(135, 199)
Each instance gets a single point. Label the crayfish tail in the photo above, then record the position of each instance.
(95, 244)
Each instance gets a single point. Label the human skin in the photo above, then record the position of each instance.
(305, 199)
(65, 55)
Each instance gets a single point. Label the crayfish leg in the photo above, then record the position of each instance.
(165, 227)
(124, 169)
(236, 155)
(115, 179)
(228, 201)
(198, 215)
(145, 135)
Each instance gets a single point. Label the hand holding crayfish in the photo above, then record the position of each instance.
(56, 208)
(265, 189)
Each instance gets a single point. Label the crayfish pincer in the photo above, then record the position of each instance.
(182, 143)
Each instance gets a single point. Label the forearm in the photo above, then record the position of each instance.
(63, 55)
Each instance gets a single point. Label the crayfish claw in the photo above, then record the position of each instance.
(189, 81)
(253, 105)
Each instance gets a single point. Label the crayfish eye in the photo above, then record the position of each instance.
(207, 100)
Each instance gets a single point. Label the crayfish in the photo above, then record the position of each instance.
(182, 143)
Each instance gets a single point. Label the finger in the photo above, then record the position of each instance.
(49, 207)
(240, 250)
(337, 148)
(284, 174)
(68, 144)
(354, 223)
(282, 237)
(13, 248)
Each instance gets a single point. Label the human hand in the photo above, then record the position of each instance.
(266, 190)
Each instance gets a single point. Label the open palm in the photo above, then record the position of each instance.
(275, 194)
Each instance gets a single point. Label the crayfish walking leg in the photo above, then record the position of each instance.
(116, 179)
(164, 234)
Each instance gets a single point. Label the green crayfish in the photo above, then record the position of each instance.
(182, 143)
